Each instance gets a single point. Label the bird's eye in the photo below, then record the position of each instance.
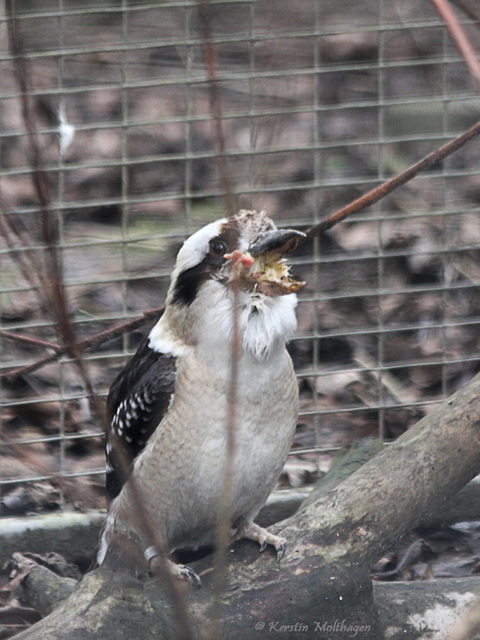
(218, 248)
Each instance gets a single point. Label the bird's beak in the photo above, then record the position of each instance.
(276, 243)
(262, 268)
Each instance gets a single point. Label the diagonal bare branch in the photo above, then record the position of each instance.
(90, 342)
(29, 340)
(397, 181)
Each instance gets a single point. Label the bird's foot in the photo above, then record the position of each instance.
(158, 563)
(251, 531)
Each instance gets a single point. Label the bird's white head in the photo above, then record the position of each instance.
(233, 265)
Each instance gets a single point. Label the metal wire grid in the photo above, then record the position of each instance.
(310, 120)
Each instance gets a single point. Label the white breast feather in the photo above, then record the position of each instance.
(263, 321)
(266, 320)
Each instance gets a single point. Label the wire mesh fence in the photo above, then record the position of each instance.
(301, 107)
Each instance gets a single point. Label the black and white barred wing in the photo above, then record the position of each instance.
(136, 404)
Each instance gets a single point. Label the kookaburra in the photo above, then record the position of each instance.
(168, 409)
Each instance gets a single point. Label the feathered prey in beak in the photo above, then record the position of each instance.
(264, 268)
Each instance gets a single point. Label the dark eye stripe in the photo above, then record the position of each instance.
(188, 283)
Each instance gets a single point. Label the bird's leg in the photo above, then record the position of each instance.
(252, 531)
(157, 563)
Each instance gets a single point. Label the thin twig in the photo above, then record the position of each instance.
(52, 280)
(223, 536)
(49, 282)
(390, 185)
(87, 343)
(410, 556)
(38, 342)
(29, 267)
(210, 61)
(223, 532)
(174, 590)
(460, 38)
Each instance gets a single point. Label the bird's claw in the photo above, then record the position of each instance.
(252, 531)
(281, 548)
(154, 559)
(189, 574)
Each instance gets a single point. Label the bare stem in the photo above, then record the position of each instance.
(210, 61)
(52, 277)
(460, 38)
(87, 343)
(38, 342)
(390, 185)
(223, 537)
